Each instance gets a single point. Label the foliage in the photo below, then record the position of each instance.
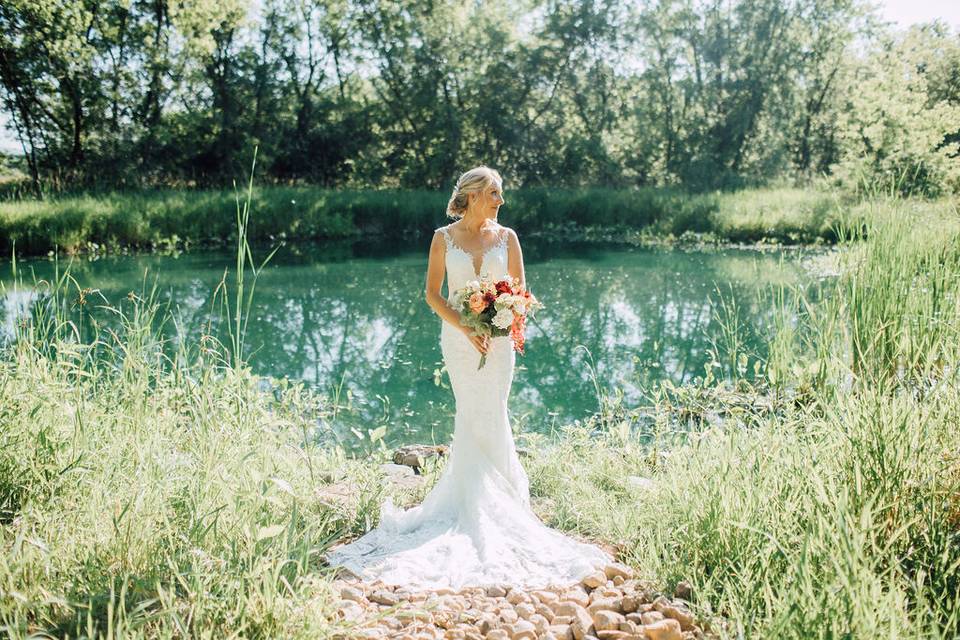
(898, 130)
(407, 94)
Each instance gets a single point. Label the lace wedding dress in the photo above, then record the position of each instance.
(475, 527)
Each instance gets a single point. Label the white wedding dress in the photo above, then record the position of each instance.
(475, 527)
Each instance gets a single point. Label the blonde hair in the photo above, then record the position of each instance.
(473, 181)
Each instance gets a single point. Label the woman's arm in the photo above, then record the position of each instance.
(435, 271)
(515, 258)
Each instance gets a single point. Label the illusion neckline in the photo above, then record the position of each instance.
(483, 255)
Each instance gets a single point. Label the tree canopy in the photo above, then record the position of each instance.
(358, 93)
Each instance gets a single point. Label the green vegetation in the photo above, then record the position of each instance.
(144, 495)
(703, 95)
(175, 217)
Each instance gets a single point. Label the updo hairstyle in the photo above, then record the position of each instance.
(473, 181)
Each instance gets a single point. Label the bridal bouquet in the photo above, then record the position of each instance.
(496, 309)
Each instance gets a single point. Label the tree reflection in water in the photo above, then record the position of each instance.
(355, 314)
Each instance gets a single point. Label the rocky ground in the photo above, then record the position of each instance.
(608, 605)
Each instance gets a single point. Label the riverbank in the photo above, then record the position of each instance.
(147, 496)
(167, 219)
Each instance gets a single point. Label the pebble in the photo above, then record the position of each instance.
(668, 629)
(606, 605)
(594, 580)
(607, 620)
(650, 617)
(384, 597)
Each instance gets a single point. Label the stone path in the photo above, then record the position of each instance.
(608, 605)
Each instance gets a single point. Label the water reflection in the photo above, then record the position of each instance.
(354, 315)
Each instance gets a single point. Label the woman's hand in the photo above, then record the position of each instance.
(480, 343)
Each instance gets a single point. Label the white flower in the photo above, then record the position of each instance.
(503, 319)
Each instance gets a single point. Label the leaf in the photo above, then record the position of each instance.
(378, 433)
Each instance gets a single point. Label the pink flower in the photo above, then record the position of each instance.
(477, 302)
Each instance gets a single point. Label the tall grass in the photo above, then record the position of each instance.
(837, 514)
(144, 495)
(161, 218)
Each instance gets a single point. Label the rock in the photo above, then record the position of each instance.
(615, 569)
(561, 631)
(352, 593)
(604, 604)
(577, 595)
(349, 609)
(391, 623)
(546, 597)
(668, 629)
(384, 597)
(680, 614)
(629, 603)
(594, 580)
(582, 624)
(604, 592)
(523, 630)
(612, 634)
(486, 622)
(684, 590)
(630, 626)
(396, 470)
(603, 611)
(568, 609)
(401, 475)
(544, 610)
(539, 622)
(651, 617)
(607, 620)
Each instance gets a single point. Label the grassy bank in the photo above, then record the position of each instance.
(144, 496)
(162, 218)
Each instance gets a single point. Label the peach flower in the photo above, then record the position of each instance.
(477, 303)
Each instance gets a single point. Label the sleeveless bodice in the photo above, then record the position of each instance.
(460, 263)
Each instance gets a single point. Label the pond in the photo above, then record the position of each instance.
(351, 317)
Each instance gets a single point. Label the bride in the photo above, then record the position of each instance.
(475, 527)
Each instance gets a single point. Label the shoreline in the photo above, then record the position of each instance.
(171, 220)
(614, 237)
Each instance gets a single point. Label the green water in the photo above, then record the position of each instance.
(353, 317)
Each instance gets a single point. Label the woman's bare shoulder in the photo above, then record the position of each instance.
(508, 232)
